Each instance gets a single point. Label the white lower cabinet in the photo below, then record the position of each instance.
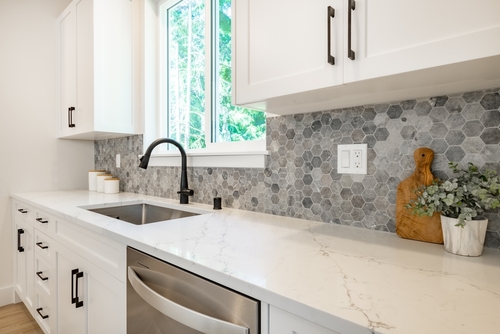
(69, 278)
(89, 300)
(282, 322)
(23, 261)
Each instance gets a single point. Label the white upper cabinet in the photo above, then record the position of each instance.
(281, 47)
(400, 49)
(398, 36)
(96, 70)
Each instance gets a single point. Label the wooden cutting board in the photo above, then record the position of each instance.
(412, 226)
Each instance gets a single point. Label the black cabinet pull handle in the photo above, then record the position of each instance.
(39, 274)
(39, 310)
(22, 211)
(74, 288)
(351, 6)
(70, 117)
(73, 273)
(20, 248)
(39, 244)
(42, 221)
(330, 15)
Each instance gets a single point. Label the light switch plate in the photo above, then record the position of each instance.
(357, 159)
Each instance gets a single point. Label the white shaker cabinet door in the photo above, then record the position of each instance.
(281, 47)
(72, 312)
(89, 300)
(24, 257)
(399, 36)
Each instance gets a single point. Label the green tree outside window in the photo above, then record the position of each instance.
(186, 80)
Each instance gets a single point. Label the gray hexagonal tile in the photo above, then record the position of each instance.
(369, 114)
(472, 128)
(455, 121)
(381, 134)
(423, 108)
(439, 146)
(394, 111)
(408, 132)
(455, 153)
(455, 105)
(491, 101)
(490, 136)
(438, 115)
(455, 137)
(438, 130)
(491, 118)
(473, 145)
(470, 97)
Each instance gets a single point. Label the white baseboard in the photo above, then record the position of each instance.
(7, 296)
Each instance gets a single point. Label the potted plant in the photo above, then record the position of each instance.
(462, 201)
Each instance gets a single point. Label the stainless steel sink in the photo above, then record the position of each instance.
(140, 214)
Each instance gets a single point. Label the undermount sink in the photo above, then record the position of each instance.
(140, 214)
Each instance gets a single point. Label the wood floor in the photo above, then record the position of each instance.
(16, 319)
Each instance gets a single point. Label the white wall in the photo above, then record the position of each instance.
(32, 158)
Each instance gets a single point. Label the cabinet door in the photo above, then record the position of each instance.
(24, 279)
(101, 304)
(71, 318)
(67, 70)
(281, 47)
(399, 36)
(112, 58)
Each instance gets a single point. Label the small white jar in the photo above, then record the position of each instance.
(112, 185)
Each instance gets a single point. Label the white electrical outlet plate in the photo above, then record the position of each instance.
(352, 159)
(117, 161)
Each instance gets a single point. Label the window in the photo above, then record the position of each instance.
(195, 82)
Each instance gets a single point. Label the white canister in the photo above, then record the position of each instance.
(112, 185)
(93, 178)
(100, 181)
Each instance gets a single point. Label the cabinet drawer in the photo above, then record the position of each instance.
(23, 211)
(282, 322)
(44, 276)
(43, 221)
(44, 246)
(44, 313)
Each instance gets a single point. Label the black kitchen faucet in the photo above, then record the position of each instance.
(184, 191)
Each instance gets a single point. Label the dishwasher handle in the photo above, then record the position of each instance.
(181, 314)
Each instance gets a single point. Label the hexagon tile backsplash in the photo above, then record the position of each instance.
(301, 180)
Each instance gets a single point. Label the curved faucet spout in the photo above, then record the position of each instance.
(184, 191)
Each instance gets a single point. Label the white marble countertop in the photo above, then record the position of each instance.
(348, 279)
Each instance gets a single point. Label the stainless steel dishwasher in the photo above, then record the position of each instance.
(162, 298)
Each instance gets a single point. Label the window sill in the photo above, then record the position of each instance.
(255, 159)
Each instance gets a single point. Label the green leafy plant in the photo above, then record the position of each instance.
(465, 197)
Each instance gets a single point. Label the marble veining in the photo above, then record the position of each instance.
(347, 279)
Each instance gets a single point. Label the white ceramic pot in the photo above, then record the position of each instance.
(466, 241)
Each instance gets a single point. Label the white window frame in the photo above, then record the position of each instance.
(246, 154)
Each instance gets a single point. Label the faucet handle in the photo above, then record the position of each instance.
(188, 192)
